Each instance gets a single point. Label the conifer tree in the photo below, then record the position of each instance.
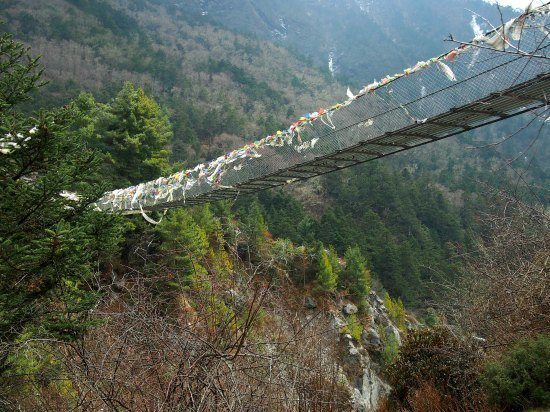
(396, 310)
(334, 262)
(253, 224)
(356, 276)
(50, 239)
(185, 242)
(327, 280)
(134, 133)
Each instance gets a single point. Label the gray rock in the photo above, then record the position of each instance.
(310, 303)
(371, 339)
(372, 390)
(392, 330)
(349, 309)
(338, 322)
(358, 401)
(352, 356)
(368, 307)
(380, 318)
(369, 388)
(479, 340)
(375, 299)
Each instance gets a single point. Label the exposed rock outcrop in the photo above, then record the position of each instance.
(360, 356)
(349, 309)
(371, 339)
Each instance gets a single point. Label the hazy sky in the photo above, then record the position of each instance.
(520, 4)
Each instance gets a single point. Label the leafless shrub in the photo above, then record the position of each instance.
(213, 348)
(504, 294)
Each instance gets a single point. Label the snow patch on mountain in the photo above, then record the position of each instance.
(281, 31)
(332, 63)
(364, 5)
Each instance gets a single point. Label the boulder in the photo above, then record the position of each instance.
(352, 356)
(479, 340)
(353, 351)
(349, 309)
(368, 307)
(338, 322)
(372, 390)
(359, 404)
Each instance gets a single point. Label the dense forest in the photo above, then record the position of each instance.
(212, 308)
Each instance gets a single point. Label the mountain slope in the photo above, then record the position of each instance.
(366, 39)
(222, 88)
(213, 81)
(362, 38)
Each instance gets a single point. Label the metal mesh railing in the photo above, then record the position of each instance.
(416, 97)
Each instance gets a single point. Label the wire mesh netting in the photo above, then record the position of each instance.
(395, 114)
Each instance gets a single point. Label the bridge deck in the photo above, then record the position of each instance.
(516, 100)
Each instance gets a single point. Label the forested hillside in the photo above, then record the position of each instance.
(215, 84)
(220, 89)
(354, 35)
(412, 283)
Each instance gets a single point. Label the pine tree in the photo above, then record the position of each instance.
(208, 222)
(327, 280)
(253, 225)
(50, 239)
(135, 133)
(396, 310)
(185, 242)
(356, 276)
(334, 262)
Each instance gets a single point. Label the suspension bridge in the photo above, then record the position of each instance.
(498, 75)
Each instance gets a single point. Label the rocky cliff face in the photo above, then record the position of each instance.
(362, 360)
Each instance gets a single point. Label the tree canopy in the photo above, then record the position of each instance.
(51, 241)
(132, 131)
